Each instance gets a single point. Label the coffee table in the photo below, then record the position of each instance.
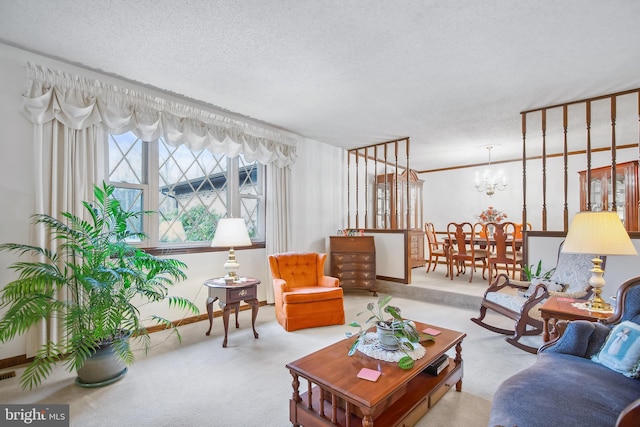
(335, 396)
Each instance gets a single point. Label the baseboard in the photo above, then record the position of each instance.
(22, 359)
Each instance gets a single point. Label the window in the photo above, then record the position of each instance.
(189, 190)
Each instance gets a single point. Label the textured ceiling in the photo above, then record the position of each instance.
(451, 75)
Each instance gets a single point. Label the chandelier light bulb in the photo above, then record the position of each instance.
(490, 182)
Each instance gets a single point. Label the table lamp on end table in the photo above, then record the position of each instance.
(599, 233)
(231, 232)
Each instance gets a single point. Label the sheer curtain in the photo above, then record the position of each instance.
(67, 164)
(278, 216)
(73, 116)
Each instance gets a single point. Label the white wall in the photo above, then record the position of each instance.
(317, 178)
(450, 196)
(16, 166)
(317, 187)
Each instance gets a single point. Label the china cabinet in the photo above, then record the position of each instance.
(398, 205)
(601, 190)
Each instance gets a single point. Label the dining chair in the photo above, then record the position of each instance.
(503, 248)
(519, 229)
(479, 230)
(436, 248)
(462, 240)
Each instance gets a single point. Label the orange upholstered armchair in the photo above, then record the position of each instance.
(304, 296)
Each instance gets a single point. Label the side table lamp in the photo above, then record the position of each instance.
(598, 233)
(231, 232)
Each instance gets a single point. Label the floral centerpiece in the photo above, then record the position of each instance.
(491, 214)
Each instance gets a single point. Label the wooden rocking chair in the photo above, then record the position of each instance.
(521, 301)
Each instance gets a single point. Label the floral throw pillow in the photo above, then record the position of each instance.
(550, 284)
(621, 350)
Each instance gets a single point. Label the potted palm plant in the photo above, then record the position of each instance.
(102, 277)
(394, 332)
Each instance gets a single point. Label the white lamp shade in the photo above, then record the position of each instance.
(231, 232)
(598, 233)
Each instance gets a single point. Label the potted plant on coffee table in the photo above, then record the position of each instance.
(91, 283)
(394, 333)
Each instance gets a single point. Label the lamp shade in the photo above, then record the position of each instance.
(598, 233)
(231, 232)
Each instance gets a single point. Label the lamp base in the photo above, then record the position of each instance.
(597, 303)
(597, 282)
(231, 266)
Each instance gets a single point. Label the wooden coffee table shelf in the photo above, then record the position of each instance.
(398, 398)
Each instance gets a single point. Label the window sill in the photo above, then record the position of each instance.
(189, 249)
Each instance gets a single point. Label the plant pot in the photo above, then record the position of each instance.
(386, 337)
(102, 368)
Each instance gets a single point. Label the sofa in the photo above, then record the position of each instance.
(304, 296)
(586, 377)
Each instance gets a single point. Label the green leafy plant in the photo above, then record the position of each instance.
(529, 273)
(384, 315)
(100, 275)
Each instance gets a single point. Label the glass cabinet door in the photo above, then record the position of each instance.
(393, 200)
(382, 205)
(596, 194)
(620, 195)
(602, 194)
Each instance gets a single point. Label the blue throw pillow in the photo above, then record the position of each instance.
(621, 350)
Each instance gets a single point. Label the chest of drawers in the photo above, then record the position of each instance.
(353, 261)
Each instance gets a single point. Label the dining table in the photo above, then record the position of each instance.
(481, 241)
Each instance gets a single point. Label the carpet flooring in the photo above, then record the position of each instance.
(199, 383)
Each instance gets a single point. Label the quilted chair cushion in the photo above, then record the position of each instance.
(311, 294)
(551, 286)
(573, 270)
(298, 269)
(507, 298)
(513, 301)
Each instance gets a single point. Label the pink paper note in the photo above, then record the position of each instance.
(431, 331)
(368, 374)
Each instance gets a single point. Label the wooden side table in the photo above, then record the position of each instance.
(229, 297)
(559, 308)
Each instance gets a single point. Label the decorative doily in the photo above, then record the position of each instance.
(585, 306)
(371, 347)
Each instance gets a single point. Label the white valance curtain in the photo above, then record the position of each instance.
(80, 103)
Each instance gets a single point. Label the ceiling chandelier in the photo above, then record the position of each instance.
(490, 182)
